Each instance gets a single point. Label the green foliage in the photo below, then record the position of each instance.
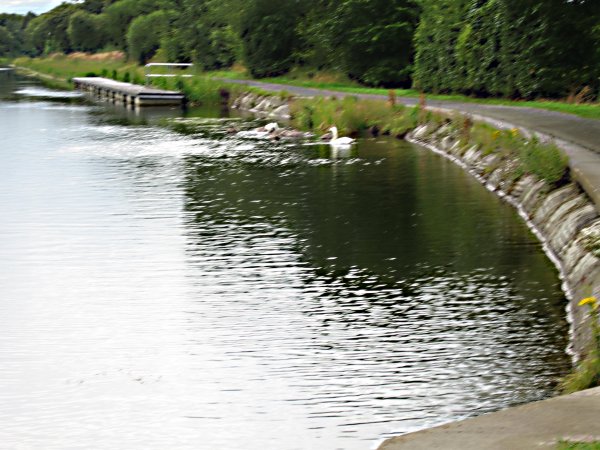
(351, 116)
(7, 42)
(523, 48)
(269, 36)
(568, 445)
(514, 48)
(592, 242)
(70, 66)
(586, 376)
(119, 16)
(380, 51)
(13, 39)
(546, 161)
(85, 31)
(370, 41)
(203, 35)
(143, 36)
(48, 33)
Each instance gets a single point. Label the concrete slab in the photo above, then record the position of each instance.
(540, 425)
(140, 95)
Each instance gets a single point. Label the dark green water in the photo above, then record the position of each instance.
(208, 290)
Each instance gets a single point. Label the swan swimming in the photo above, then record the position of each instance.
(339, 141)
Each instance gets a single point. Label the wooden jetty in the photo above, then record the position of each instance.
(127, 93)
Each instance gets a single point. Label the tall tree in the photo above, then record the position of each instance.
(269, 35)
(86, 31)
(48, 32)
(518, 48)
(144, 35)
(203, 33)
(375, 39)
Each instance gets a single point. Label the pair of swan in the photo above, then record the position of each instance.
(273, 130)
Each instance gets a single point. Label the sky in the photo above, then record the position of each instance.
(24, 6)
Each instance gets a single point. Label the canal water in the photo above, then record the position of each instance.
(184, 287)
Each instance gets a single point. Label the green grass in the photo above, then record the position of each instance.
(590, 111)
(58, 70)
(352, 116)
(66, 67)
(567, 445)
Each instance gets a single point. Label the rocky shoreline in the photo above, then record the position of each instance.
(263, 106)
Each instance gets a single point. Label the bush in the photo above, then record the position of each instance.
(546, 161)
(351, 116)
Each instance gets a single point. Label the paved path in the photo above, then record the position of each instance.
(537, 425)
(579, 137)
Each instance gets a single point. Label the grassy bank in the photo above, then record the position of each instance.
(355, 117)
(65, 67)
(566, 445)
(335, 82)
(58, 70)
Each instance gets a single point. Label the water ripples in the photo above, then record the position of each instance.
(207, 290)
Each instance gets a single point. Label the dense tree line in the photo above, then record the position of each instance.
(517, 48)
(13, 40)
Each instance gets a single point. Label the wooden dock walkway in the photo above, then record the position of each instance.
(127, 93)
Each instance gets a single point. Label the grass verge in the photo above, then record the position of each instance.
(589, 110)
(58, 70)
(354, 117)
(567, 445)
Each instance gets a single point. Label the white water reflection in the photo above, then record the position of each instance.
(47, 93)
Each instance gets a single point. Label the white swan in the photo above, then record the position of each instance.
(339, 141)
(271, 127)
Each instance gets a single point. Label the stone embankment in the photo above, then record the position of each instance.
(263, 106)
(564, 218)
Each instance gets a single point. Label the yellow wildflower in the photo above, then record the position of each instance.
(589, 301)
(515, 132)
(495, 135)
